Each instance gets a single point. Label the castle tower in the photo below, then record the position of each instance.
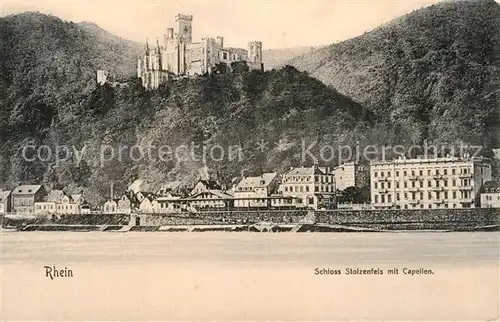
(102, 76)
(170, 33)
(184, 28)
(255, 54)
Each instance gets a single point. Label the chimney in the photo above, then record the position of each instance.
(111, 192)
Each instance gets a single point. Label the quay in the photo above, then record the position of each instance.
(474, 219)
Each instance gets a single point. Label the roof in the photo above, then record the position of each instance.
(491, 186)
(217, 193)
(76, 197)
(4, 194)
(55, 195)
(303, 171)
(210, 184)
(257, 182)
(27, 189)
(170, 186)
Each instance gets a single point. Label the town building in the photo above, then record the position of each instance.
(490, 195)
(210, 199)
(350, 174)
(48, 205)
(57, 201)
(167, 203)
(254, 191)
(111, 206)
(420, 183)
(146, 203)
(204, 186)
(179, 55)
(314, 186)
(5, 201)
(170, 188)
(127, 203)
(23, 198)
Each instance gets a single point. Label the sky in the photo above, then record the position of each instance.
(277, 23)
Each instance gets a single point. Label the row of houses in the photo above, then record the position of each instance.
(304, 187)
(35, 199)
(422, 183)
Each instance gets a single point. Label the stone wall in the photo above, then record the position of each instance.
(446, 219)
(220, 218)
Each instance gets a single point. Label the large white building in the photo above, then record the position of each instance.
(254, 191)
(313, 186)
(428, 183)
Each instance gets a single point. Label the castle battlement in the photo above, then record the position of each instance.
(183, 17)
(180, 56)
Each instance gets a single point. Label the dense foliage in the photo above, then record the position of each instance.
(431, 74)
(48, 96)
(411, 86)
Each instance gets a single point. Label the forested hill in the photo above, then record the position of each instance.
(431, 74)
(48, 96)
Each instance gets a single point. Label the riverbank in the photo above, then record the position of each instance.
(477, 219)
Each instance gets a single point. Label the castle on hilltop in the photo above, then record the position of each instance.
(180, 56)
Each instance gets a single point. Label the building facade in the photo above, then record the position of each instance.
(5, 201)
(490, 195)
(313, 186)
(23, 198)
(254, 191)
(428, 183)
(178, 55)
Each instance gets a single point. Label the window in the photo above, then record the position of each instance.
(388, 185)
(382, 185)
(421, 172)
(429, 184)
(375, 185)
(454, 195)
(382, 198)
(224, 55)
(453, 171)
(445, 183)
(429, 172)
(389, 198)
(437, 171)
(445, 172)
(404, 173)
(454, 182)
(397, 184)
(405, 184)
(397, 196)
(397, 173)
(412, 172)
(413, 184)
(429, 195)
(389, 173)
(376, 198)
(375, 174)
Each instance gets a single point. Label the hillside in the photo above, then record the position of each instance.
(277, 58)
(431, 74)
(48, 96)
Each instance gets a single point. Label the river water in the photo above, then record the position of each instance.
(249, 276)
